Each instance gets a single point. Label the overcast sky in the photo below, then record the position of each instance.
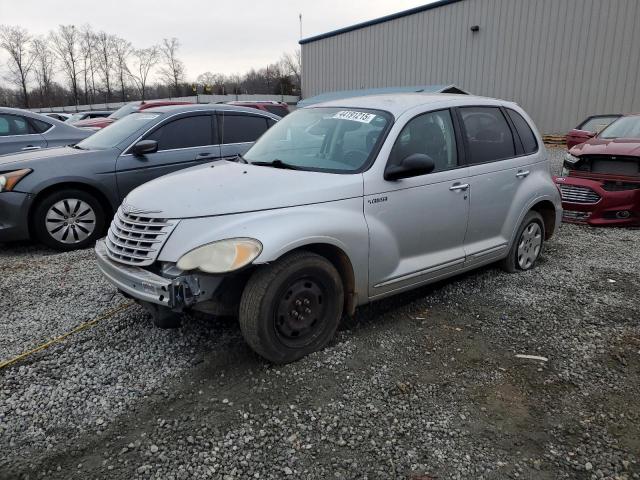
(222, 37)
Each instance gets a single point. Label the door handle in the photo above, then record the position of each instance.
(30, 147)
(522, 173)
(459, 186)
(203, 155)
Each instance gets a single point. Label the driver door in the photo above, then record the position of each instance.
(417, 225)
(182, 142)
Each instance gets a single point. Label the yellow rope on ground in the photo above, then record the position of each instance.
(79, 328)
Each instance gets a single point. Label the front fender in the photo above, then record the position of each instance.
(340, 224)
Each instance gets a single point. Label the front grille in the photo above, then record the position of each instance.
(136, 240)
(574, 194)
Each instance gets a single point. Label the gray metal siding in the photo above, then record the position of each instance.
(561, 60)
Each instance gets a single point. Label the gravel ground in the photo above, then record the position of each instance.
(424, 385)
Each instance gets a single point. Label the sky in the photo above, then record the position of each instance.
(221, 37)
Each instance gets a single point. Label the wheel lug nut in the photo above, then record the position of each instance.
(294, 313)
(301, 318)
(306, 301)
(307, 311)
(298, 303)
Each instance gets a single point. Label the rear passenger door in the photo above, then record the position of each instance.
(239, 131)
(18, 134)
(499, 163)
(183, 142)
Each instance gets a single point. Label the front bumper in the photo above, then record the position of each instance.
(14, 216)
(140, 284)
(613, 208)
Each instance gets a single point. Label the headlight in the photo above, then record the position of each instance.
(571, 158)
(8, 180)
(223, 256)
(565, 172)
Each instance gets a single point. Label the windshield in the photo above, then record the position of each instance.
(75, 117)
(339, 140)
(115, 133)
(124, 111)
(624, 127)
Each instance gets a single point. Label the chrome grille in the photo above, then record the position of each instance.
(135, 239)
(574, 194)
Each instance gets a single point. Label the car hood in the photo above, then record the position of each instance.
(94, 122)
(30, 158)
(604, 146)
(222, 188)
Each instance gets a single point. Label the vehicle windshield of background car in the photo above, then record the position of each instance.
(115, 133)
(74, 118)
(625, 127)
(124, 111)
(335, 140)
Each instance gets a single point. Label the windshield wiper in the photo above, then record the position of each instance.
(240, 159)
(277, 163)
(77, 147)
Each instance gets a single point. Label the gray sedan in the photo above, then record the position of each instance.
(21, 130)
(65, 196)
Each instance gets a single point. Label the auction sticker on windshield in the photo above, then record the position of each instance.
(363, 117)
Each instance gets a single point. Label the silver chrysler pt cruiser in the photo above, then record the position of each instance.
(335, 206)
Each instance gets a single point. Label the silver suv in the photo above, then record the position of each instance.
(335, 206)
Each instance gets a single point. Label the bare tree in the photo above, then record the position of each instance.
(43, 69)
(172, 71)
(87, 52)
(292, 64)
(122, 51)
(16, 41)
(65, 44)
(106, 61)
(214, 80)
(144, 59)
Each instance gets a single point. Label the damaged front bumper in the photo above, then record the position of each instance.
(176, 293)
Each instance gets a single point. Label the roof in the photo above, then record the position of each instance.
(398, 103)
(208, 107)
(375, 21)
(325, 97)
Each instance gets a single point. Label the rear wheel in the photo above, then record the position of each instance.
(292, 307)
(527, 247)
(68, 219)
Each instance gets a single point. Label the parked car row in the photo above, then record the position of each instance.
(600, 181)
(335, 205)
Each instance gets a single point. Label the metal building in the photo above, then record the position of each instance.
(561, 60)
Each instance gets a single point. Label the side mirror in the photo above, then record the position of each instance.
(412, 166)
(144, 146)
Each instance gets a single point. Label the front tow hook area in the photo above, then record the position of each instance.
(162, 317)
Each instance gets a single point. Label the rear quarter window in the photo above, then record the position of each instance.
(488, 134)
(528, 138)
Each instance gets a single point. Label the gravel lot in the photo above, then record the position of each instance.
(425, 385)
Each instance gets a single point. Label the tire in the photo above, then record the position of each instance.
(527, 244)
(68, 219)
(304, 283)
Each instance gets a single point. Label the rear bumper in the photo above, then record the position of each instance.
(14, 216)
(145, 286)
(613, 208)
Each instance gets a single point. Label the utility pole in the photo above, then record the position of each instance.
(300, 18)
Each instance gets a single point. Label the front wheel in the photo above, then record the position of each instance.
(292, 307)
(68, 219)
(527, 245)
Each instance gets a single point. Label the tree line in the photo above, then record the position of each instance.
(78, 65)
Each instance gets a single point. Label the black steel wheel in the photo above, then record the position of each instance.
(292, 307)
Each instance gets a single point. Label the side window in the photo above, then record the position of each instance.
(5, 128)
(242, 128)
(431, 134)
(184, 132)
(39, 126)
(488, 134)
(525, 133)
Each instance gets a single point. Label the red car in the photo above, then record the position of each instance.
(589, 128)
(98, 123)
(600, 181)
(277, 108)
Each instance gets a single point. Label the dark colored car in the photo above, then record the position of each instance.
(98, 123)
(22, 130)
(65, 196)
(589, 128)
(88, 114)
(600, 181)
(277, 108)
